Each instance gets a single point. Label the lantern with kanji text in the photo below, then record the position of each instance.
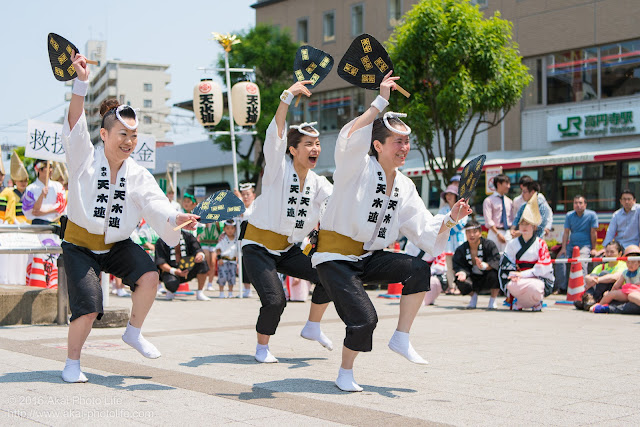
(246, 103)
(207, 102)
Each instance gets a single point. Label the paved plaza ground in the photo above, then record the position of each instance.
(558, 367)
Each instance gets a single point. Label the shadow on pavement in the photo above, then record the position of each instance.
(111, 381)
(245, 359)
(269, 389)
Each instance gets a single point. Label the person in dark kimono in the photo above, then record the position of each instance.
(476, 264)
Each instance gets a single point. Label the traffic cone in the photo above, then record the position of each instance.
(576, 278)
(183, 287)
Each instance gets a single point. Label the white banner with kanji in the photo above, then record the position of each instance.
(145, 152)
(44, 141)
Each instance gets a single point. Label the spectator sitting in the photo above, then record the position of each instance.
(628, 282)
(168, 261)
(476, 264)
(456, 234)
(602, 277)
(624, 222)
(529, 188)
(525, 268)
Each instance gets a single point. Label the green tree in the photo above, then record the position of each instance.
(464, 72)
(271, 51)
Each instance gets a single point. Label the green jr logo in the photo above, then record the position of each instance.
(572, 127)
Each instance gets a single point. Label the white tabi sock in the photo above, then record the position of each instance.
(345, 381)
(473, 302)
(72, 373)
(312, 331)
(263, 355)
(399, 343)
(134, 338)
(492, 304)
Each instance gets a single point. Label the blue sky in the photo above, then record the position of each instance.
(161, 31)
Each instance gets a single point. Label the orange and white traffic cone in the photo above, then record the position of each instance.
(394, 290)
(576, 278)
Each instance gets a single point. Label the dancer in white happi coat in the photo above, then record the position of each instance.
(108, 194)
(525, 269)
(286, 211)
(371, 205)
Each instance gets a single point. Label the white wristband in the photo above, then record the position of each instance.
(80, 87)
(172, 271)
(380, 103)
(286, 97)
(483, 266)
(449, 222)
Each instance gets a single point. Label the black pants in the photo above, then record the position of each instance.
(624, 308)
(172, 283)
(262, 271)
(344, 279)
(599, 289)
(479, 282)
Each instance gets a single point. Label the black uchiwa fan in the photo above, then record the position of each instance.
(311, 64)
(365, 64)
(220, 206)
(470, 176)
(60, 52)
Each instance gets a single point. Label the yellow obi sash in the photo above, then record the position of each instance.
(330, 241)
(81, 237)
(267, 238)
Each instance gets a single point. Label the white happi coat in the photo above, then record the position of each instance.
(112, 209)
(284, 207)
(360, 209)
(537, 253)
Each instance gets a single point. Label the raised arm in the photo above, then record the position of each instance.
(76, 106)
(388, 84)
(285, 99)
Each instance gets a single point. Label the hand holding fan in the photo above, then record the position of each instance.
(220, 206)
(311, 64)
(470, 176)
(187, 263)
(366, 63)
(60, 52)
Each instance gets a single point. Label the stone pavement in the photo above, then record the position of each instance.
(558, 367)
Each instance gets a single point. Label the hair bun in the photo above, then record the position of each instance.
(107, 105)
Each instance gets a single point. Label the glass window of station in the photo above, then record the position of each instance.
(577, 75)
(331, 109)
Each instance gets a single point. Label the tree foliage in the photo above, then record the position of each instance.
(464, 72)
(271, 51)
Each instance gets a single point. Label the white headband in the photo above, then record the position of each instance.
(392, 115)
(135, 116)
(300, 129)
(246, 186)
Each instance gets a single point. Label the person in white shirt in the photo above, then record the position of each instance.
(371, 205)
(286, 211)
(227, 256)
(108, 195)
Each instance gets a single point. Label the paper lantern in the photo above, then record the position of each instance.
(207, 102)
(246, 103)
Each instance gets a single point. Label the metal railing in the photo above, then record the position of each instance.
(62, 317)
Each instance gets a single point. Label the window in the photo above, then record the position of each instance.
(333, 109)
(394, 9)
(572, 76)
(533, 93)
(595, 181)
(147, 103)
(357, 19)
(481, 3)
(329, 26)
(631, 177)
(148, 87)
(146, 120)
(620, 65)
(303, 30)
